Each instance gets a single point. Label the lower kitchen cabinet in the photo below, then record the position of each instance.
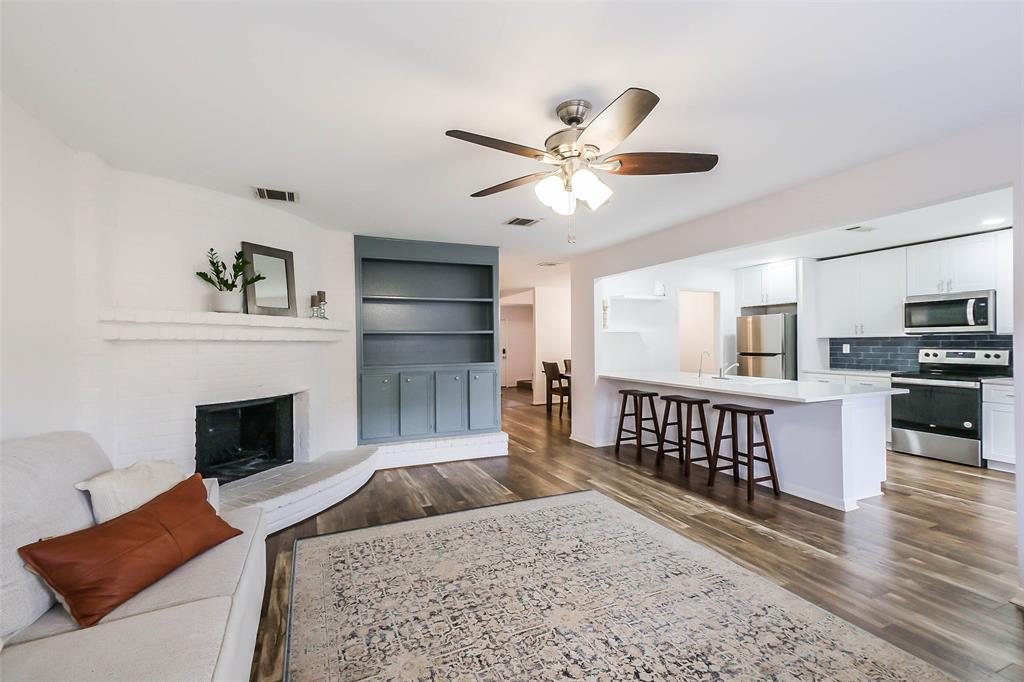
(450, 401)
(378, 408)
(416, 403)
(483, 399)
(997, 427)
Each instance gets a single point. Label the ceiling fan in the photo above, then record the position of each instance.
(574, 153)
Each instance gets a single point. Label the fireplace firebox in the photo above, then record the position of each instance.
(239, 439)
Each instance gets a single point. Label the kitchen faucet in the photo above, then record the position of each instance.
(723, 372)
(700, 365)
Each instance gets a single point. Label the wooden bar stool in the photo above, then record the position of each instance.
(747, 458)
(638, 419)
(684, 430)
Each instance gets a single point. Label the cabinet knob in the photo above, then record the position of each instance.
(456, 378)
(408, 381)
(476, 376)
(386, 380)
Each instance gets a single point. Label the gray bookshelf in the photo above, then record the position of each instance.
(427, 322)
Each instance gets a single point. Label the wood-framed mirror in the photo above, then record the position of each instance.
(274, 295)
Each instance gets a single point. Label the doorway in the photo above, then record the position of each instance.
(698, 330)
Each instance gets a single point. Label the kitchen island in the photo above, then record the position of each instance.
(829, 439)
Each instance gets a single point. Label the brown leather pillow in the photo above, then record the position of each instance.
(97, 569)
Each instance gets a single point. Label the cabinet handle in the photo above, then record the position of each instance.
(949, 285)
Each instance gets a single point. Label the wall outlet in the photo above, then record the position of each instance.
(846, 348)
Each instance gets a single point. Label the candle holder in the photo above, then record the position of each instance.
(318, 305)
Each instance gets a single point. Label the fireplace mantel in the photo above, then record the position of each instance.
(139, 324)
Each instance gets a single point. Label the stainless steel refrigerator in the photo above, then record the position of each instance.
(766, 345)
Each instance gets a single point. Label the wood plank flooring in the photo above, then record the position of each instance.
(930, 566)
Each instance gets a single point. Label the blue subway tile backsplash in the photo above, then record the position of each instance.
(899, 353)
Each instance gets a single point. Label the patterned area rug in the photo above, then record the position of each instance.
(569, 587)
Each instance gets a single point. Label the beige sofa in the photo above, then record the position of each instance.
(197, 623)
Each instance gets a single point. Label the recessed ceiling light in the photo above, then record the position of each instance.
(992, 222)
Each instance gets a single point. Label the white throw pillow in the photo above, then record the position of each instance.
(213, 493)
(119, 491)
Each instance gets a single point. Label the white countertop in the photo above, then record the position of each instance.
(998, 381)
(753, 387)
(851, 372)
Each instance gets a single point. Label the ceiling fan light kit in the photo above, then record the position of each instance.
(577, 152)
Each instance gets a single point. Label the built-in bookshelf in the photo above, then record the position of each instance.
(427, 312)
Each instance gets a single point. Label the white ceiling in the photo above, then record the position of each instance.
(989, 211)
(347, 103)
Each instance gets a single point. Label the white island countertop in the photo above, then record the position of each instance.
(753, 387)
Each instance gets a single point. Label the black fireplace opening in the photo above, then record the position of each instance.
(235, 440)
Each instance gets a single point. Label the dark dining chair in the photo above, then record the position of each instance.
(555, 386)
(568, 366)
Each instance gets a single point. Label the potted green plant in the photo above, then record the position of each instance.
(229, 284)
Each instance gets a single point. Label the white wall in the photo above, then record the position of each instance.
(552, 334)
(518, 334)
(135, 241)
(656, 346)
(37, 290)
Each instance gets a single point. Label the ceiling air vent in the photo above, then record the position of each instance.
(860, 228)
(548, 264)
(522, 222)
(275, 194)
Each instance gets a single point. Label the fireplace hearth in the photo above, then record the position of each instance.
(239, 439)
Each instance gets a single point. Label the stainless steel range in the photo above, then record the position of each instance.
(941, 415)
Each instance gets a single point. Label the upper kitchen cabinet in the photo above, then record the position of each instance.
(1004, 282)
(951, 265)
(769, 284)
(862, 295)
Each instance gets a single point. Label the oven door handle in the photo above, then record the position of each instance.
(936, 382)
(970, 311)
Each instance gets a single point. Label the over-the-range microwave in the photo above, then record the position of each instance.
(956, 313)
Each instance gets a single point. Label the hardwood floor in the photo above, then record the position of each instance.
(930, 566)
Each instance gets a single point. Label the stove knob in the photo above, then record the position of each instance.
(988, 355)
(998, 355)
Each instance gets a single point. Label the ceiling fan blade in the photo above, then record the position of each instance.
(525, 180)
(503, 145)
(618, 120)
(659, 163)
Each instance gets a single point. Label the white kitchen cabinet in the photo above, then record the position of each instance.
(769, 284)
(1004, 281)
(882, 279)
(951, 265)
(862, 295)
(824, 378)
(780, 282)
(750, 282)
(997, 433)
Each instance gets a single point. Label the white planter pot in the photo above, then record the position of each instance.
(226, 301)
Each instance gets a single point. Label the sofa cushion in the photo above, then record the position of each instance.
(179, 643)
(37, 500)
(95, 570)
(214, 573)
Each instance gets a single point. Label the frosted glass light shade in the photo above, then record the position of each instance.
(552, 194)
(590, 189)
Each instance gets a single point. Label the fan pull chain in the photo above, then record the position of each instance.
(572, 221)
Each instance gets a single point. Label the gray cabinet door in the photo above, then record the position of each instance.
(483, 399)
(416, 411)
(450, 400)
(379, 405)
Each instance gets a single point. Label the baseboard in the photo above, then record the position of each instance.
(584, 441)
(1018, 599)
